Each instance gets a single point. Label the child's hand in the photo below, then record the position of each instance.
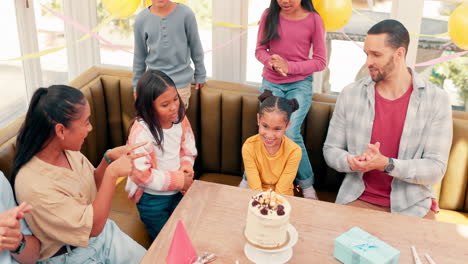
(188, 180)
(279, 64)
(273, 67)
(187, 169)
(135, 197)
(199, 85)
(139, 177)
(309, 193)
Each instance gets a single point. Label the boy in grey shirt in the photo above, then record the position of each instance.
(166, 38)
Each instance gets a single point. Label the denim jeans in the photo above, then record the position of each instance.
(110, 246)
(302, 92)
(155, 210)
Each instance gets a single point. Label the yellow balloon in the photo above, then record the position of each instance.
(458, 26)
(335, 13)
(121, 9)
(148, 2)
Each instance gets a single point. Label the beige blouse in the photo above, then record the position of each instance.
(61, 199)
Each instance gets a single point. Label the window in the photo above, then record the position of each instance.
(339, 48)
(120, 33)
(346, 59)
(12, 81)
(452, 75)
(254, 67)
(50, 34)
(231, 49)
(38, 31)
(203, 11)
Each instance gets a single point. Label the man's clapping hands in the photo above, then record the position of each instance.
(370, 159)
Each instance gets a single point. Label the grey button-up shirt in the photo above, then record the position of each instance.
(167, 44)
(424, 146)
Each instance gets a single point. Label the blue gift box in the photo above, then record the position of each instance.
(359, 247)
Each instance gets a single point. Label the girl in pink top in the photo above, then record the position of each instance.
(288, 30)
(166, 172)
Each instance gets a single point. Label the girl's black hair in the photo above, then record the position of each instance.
(58, 104)
(272, 19)
(151, 85)
(271, 103)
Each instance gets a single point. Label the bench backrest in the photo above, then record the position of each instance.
(222, 116)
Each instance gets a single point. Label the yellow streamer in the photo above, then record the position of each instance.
(364, 16)
(36, 54)
(231, 25)
(98, 28)
(426, 35)
(51, 50)
(412, 34)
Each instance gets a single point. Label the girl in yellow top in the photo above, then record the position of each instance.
(270, 158)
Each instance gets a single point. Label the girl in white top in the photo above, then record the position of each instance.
(166, 172)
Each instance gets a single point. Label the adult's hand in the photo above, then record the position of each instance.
(115, 153)
(124, 166)
(370, 159)
(10, 232)
(369, 153)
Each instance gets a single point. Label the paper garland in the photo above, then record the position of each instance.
(421, 64)
(51, 50)
(94, 34)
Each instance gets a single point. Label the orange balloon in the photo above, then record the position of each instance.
(458, 26)
(335, 13)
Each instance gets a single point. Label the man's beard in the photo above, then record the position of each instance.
(382, 74)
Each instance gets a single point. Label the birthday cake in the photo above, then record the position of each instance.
(267, 220)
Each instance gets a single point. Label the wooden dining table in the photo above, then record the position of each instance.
(214, 216)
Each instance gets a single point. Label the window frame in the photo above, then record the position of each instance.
(228, 62)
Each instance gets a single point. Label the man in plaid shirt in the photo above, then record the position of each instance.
(391, 132)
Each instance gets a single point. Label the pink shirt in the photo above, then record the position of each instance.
(389, 120)
(296, 38)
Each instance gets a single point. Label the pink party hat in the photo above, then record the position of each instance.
(181, 250)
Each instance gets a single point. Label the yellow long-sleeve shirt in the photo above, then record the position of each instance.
(265, 171)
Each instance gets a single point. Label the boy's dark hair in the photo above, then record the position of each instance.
(271, 103)
(58, 104)
(397, 34)
(272, 19)
(150, 86)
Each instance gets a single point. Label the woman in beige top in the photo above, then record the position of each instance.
(71, 199)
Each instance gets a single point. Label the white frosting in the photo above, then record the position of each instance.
(270, 230)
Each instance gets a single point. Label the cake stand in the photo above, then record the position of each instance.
(273, 256)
